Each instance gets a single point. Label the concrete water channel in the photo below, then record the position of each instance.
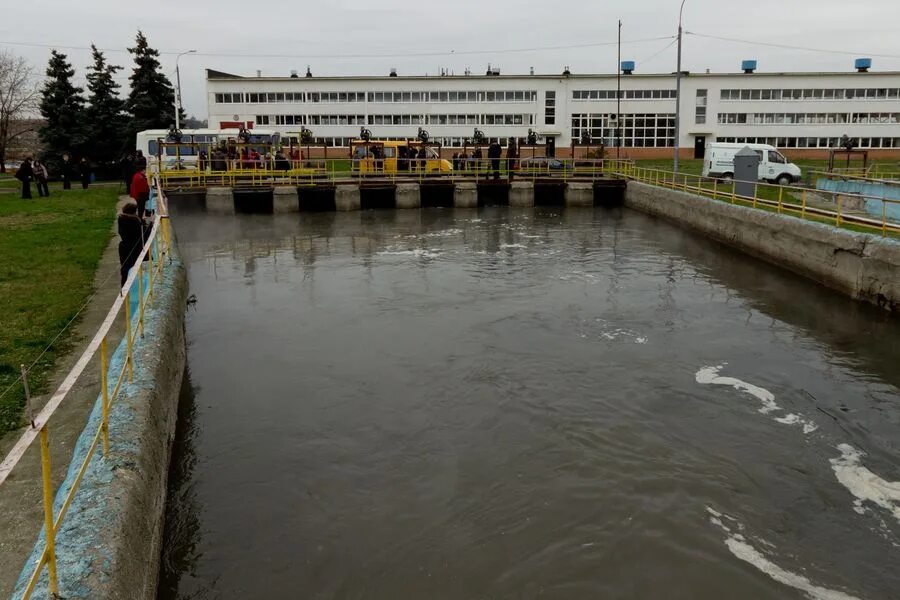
(502, 402)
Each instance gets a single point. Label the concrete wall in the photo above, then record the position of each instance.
(109, 543)
(863, 266)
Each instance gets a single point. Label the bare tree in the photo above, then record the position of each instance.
(18, 97)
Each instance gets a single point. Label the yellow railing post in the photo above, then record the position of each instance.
(837, 218)
(803, 204)
(780, 192)
(715, 189)
(104, 396)
(50, 532)
(734, 194)
(883, 216)
(129, 357)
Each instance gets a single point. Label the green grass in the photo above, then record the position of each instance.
(50, 249)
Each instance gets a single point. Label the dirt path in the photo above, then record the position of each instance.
(21, 510)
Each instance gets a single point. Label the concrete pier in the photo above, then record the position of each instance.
(521, 194)
(465, 195)
(220, 200)
(346, 197)
(285, 200)
(408, 195)
(579, 194)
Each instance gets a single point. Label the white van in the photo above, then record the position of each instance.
(773, 166)
(185, 155)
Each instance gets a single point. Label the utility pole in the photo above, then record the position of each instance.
(178, 90)
(619, 93)
(678, 91)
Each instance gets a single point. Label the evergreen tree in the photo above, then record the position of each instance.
(152, 100)
(104, 116)
(62, 107)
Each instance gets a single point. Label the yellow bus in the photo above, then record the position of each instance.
(392, 157)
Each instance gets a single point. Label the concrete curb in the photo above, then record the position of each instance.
(860, 265)
(109, 543)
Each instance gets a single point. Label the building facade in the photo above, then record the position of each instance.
(803, 114)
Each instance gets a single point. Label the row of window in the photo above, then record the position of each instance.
(812, 94)
(344, 142)
(378, 97)
(467, 119)
(639, 130)
(495, 96)
(812, 142)
(808, 118)
(626, 94)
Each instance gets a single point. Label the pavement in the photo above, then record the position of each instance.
(21, 509)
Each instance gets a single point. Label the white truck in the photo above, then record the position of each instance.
(773, 166)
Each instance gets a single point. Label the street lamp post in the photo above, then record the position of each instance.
(678, 90)
(178, 90)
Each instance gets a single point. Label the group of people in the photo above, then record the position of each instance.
(131, 164)
(134, 220)
(462, 161)
(36, 170)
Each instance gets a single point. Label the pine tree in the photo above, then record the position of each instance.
(151, 102)
(62, 107)
(104, 116)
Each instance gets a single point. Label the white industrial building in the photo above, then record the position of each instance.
(802, 113)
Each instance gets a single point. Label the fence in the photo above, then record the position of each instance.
(135, 296)
(793, 200)
(328, 171)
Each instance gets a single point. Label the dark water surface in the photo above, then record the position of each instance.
(524, 404)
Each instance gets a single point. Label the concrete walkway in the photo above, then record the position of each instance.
(21, 509)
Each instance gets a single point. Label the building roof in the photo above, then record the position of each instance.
(212, 74)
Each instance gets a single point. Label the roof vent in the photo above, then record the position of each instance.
(627, 67)
(293, 73)
(308, 71)
(566, 71)
(258, 73)
(393, 72)
(863, 65)
(531, 71)
(492, 71)
(748, 66)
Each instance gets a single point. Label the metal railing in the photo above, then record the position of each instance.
(794, 200)
(134, 304)
(328, 171)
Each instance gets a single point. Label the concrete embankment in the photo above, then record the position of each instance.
(108, 545)
(863, 266)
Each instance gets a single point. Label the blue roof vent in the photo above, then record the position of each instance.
(627, 67)
(748, 66)
(863, 65)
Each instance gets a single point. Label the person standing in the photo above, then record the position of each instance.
(24, 174)
(127, 167)
(40, 177)
(140, 190)
(140, 160)
(84, 173)
(66, 172)
(476, 158)
(494, 154)
(133, 231)
(512, 153)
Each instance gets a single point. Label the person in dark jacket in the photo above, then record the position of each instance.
(140, 160)
(65, 172)
(84, 173)
(494, 154)
(512, 154)
(25, 174)
(476, 159)
(133, 232)
(127, 167)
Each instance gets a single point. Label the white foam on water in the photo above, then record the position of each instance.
(442, 233)
(866, 486)
(710, 375)
(417, 252)
(507, 246)
(741, 548)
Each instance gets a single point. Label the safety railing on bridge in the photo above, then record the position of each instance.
(136, 295)
(326, 171)
(836, 209)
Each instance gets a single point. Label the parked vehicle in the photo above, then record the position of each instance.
(391, 156)
(541, 164)
(773, 166)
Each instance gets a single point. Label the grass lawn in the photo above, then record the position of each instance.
(50, 248)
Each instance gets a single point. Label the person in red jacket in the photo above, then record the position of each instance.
(140, 189)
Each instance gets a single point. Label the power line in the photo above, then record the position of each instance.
(655, 54)
(790, 47)
(358, 56)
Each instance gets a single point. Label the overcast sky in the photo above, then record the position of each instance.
(312, 33)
